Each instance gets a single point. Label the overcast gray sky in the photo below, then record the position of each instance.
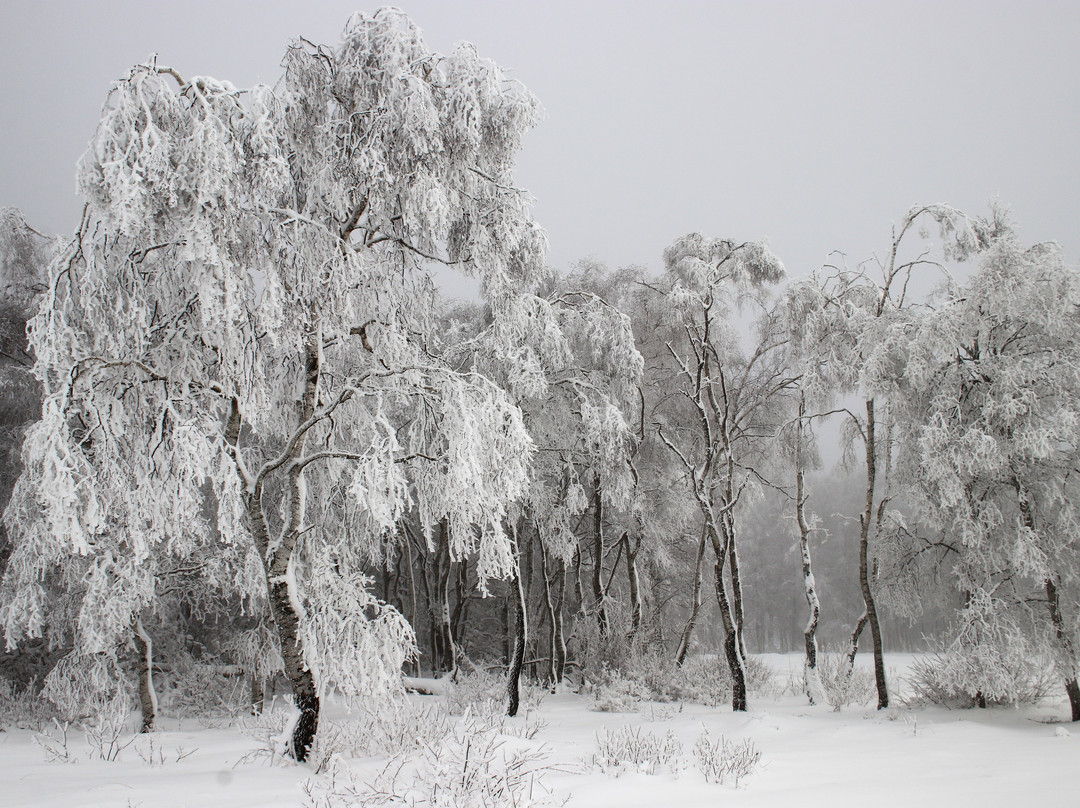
(812, 124)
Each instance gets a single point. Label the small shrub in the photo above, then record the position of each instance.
(24, 708)
(631, 748)
(702, 679)
(105, 730)
(843, 688)
(398, 728)
(653, 673)
(55, 743)
(619, 694)
(945, 681)
(194, 689)
(659, 712)
(476, 688)
(473, 688)
(268, 729)
(763, 679)
(723, 761)
(470, 767)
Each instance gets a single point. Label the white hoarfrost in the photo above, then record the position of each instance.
(246, 313)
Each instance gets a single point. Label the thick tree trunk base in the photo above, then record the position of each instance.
(306, 726)
(738, 674)
(517, 656)
(1073, 689)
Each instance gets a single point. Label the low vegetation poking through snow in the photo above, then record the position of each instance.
(723, 761)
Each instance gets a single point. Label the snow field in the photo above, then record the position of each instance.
(810, 756)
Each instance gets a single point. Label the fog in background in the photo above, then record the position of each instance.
(813, 124)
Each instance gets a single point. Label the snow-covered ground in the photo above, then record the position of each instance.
(809, 757)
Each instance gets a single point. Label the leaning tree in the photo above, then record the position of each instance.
(248, 301)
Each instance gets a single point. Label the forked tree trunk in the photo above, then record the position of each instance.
(305, 695)
(552, 609)
(558, 632)
(412, 594)
(736, 586)
(731, 642)
(853, 646)
(147, 695)
(280, 581)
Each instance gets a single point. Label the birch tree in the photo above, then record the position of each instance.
(730, 395)
(248, 301)
(994, 389)
(575, 378)
(852, 329)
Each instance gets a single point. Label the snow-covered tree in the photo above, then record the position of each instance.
(248, 301)
(852, 330)
(24, 255)
(994, 405)
(575, 376)
(731, 395)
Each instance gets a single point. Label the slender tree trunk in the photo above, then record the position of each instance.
(864, 556)
(1071, 687)
(280, 579)
(736, 588)
(549, 602)
(695, 605)
(578, 585)
(728, 528)
(412, 595)
(811, 677)
(559, 651)
(598, 560)
(528, 582)
(517, 654)
(634, 585)
(853, 648)
(459, 620)
(147, 695)
(445, 655)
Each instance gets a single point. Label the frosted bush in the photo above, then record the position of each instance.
(396, 728)
(484, 691)
(472, 766)
(762, 678)
(633, 749)
(702, 679)
(944, 680)
(652, 677)
(194, 689)
(268, 730)
(841, 688)
(105, 732)
(723, 761)
(24, 708)
(619, 694)
(653, 672)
